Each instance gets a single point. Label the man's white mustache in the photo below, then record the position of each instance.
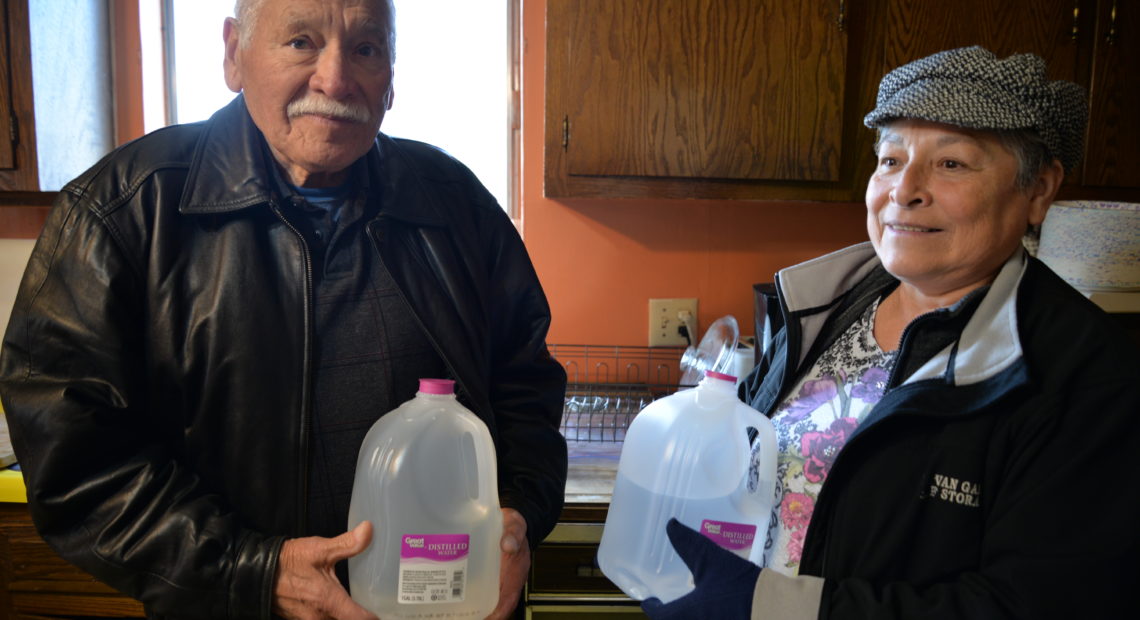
(328, 107)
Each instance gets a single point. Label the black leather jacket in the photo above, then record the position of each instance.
(157, 373)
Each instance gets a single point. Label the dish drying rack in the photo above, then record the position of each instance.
(608, 385)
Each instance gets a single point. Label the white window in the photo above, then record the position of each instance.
(455, 76)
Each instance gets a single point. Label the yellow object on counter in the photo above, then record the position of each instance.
(12, 488)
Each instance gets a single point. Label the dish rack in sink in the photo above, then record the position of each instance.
(608, 385)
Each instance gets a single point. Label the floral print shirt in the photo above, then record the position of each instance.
(812, 426)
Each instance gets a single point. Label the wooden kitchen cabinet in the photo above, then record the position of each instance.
(7, 145)
(1047, 28)
(18, 167)
(1112, 152)
(765, 99)
(693, 97)
(1093, 43)
(37, 583)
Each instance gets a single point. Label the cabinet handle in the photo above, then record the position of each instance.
(841, 21)
(565, 132)
(1110, 38)
(1076, 20)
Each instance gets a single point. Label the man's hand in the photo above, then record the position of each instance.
(513, 565)
(307, 587)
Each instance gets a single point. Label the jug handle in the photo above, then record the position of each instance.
(487, 485)
(766, 438)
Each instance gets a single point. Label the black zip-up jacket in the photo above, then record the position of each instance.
(157, 368)
(996, 476)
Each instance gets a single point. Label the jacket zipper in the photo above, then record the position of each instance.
(306, 379)
(821, 498)
(821, 501)
(792, 337)
(373, 234)
(893, 378)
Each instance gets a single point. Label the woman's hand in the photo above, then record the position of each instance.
(513, 565)
(307, 588)
(725, 583)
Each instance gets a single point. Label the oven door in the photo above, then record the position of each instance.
(607, 387)
(565, 581)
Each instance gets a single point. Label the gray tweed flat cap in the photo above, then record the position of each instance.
(970, 87)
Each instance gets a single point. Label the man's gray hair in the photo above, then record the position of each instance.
(247, 12)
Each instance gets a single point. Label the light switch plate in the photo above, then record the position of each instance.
(665, 321)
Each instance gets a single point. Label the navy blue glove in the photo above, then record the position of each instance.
(724, 582)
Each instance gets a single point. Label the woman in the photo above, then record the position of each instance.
(958, 427)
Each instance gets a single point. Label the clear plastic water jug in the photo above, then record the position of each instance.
(692, 456)
(426, 479)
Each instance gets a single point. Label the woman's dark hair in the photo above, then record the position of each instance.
(1027, 146)
(1031, 152)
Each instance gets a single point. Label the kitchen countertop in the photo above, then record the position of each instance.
(592, 469)
(590, 480)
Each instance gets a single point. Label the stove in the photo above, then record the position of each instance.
(565, 581)
(607, 387)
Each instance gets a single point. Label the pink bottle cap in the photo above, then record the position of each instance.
(437, 386)
(720, 375)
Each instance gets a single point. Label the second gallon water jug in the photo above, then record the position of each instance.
(691, 456)
(426, 479)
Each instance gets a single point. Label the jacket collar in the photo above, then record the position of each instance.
(405, 193)
(232, 170)
(227, 171)
(988, 344)
(817, 283)
(811, 292)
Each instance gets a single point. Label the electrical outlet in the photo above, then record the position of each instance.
(666, 319)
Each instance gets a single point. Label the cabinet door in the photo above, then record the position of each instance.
(1111, 152)
(7, 154)
(1048, 28)
(18, 165)
(1057, 30)
(696, 89)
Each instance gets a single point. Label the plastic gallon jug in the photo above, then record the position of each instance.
(426, 479)
(689, 456)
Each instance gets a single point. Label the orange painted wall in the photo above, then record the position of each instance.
(600, 261)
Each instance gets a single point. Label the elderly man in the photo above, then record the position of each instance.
(215, 314)
(957, 426)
